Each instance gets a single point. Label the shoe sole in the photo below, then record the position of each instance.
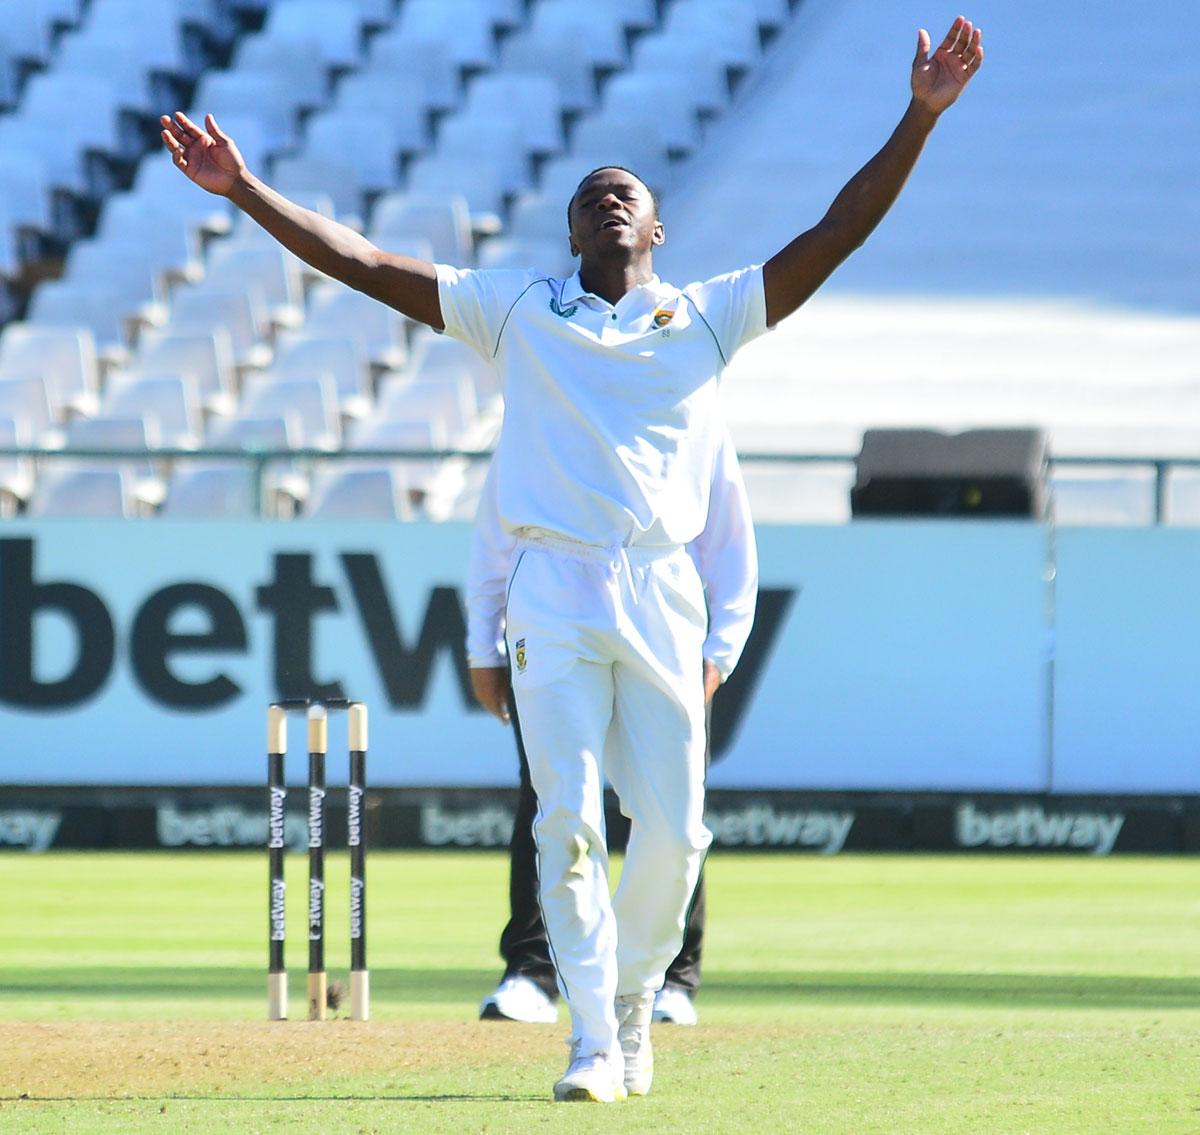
(574, 1094)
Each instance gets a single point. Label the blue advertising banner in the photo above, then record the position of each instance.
(1127, 708)
(886, 656)
(913, 657)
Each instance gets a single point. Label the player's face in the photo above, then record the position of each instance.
(613, 213)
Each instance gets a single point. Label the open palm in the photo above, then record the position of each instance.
(938, 79)
(209, 157)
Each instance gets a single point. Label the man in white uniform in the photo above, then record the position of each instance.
(726, 559)
(602, 476)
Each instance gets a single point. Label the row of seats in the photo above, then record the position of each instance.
(181, 327)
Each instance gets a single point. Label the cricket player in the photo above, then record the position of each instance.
(727, 561)
(603, 469)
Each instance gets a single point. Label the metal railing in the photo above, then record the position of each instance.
(259, 459)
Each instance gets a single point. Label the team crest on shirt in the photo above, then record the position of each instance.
(520, 654)
(560, 311)
(662, 317)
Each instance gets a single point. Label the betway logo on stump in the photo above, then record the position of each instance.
(1032, 826)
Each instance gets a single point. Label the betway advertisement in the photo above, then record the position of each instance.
(886, 657)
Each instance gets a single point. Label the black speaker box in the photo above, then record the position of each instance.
(907, 472)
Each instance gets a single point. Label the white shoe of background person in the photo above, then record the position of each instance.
(518, 998)
(673, 1006)
(592, 1077)
(633, 1031)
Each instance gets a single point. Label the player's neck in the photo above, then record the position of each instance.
(612, 279)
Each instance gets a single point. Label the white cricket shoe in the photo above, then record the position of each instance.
(672, 1006)
(518, 998)
(633, 1031)
(590, 1078)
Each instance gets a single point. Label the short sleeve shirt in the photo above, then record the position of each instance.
(611, 424)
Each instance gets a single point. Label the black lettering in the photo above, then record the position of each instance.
(736, 694)
(21, 600)
(294, 599)
(154, 642)
(405, 671)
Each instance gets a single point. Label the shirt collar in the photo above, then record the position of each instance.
(573, 289)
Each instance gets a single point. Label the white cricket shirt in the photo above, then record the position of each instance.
(610, 411)
(724, 553)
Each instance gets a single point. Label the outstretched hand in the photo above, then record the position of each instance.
(209, 157)
(938, 79)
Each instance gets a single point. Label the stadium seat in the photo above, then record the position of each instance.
(99, 305)
(16, 473)
(133, 272)
(203, 358)
(466, 32)
(305, 176)
(271, 273)
(448, 402)
(497, 139)
(163, 197)
(298, 62)
(728, 27)
(312, 400)
(211, 488)
(371, 492)
(239, 313)
(25, 190)
(438, 358)
(155, 31)
(484, 183)
(598, 30)
(378, 330)
(339, 358)
(637, 101)
(550, 255)
(695, 63)
(377, 433)
(532, 99)
(87, 493)
(371, 143)
(25, 401)
(63, 358)
(558, 56)
(267, 95)
(429, 62)
(166, 401)
(542, 215)
(335, 26)
(133, 432)
(443, 220)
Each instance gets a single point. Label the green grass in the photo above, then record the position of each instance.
(858, 994)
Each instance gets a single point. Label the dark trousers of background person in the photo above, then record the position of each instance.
(523, 943)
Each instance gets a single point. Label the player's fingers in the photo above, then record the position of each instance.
(211, 123)
(187, 126)
(952, 35)
(976, 61)
(172, 144)
(964, 38)
(922, 47)
(170, 126)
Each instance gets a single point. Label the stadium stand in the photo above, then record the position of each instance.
(457, 129)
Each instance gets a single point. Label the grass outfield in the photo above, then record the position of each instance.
(858, 994)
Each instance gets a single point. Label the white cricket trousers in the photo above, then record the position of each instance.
(606, 648)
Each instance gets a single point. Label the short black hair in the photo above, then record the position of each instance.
(623, 169)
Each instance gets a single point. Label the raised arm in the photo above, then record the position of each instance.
(794, 273)
(210, 158)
